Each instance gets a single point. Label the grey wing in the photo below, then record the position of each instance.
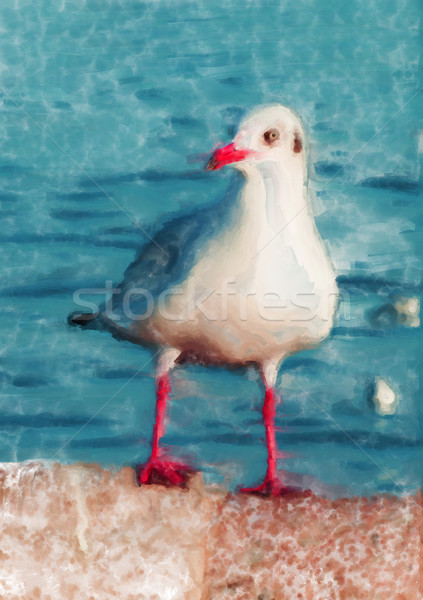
(161, 264)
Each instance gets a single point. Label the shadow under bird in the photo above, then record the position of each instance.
(244, 282)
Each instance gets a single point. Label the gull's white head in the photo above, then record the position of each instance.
(270, 134)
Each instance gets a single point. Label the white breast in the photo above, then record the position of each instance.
(246, 296)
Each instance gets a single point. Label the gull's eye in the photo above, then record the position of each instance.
(271, 136)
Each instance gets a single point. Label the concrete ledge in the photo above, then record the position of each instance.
(80, 532)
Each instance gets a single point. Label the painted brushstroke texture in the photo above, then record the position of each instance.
(108, 538)
(129, 91)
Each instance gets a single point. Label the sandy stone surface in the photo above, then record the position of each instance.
(80, 532)
(309, 548)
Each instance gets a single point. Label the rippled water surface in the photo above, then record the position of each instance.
(103, 104)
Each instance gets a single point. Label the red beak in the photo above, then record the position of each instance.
(226, 156)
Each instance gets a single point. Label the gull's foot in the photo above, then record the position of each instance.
(270, 487)
(162, 471)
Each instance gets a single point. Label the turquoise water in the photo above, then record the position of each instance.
(105, 107)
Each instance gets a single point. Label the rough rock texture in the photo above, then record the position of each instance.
(309, 548)
(79, 532)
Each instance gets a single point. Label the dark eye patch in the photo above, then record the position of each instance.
(271, 136)
(298, 145)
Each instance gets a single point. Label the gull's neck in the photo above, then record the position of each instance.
(274, 200)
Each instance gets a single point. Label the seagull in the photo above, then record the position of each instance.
(244, 282)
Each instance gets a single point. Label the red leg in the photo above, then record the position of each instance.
(162, 396)
(271, 485)
(159, 469)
